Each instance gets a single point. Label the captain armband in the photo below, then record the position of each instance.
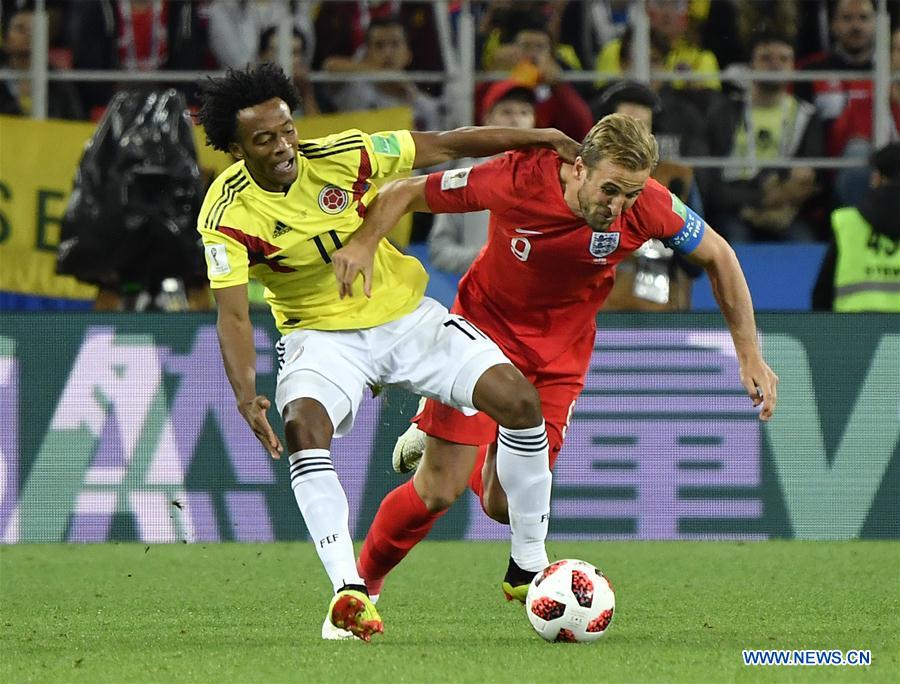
(686, 240)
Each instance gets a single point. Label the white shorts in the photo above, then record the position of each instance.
(429, 352)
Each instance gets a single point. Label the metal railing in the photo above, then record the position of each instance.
(459, 75)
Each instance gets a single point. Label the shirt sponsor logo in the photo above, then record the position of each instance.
(217, 260)
(453, 180)
(604, 244)
(333, 200)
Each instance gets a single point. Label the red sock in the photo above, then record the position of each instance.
(402, 522)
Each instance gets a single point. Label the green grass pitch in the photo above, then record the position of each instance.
(252, 613)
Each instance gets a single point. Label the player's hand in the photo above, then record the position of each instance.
(254, 412)
(761, 384)
(348, 262)
(565, 147)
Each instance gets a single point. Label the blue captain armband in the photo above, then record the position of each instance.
(686, 240)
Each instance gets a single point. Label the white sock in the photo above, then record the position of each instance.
(323, 504)
(523, 466)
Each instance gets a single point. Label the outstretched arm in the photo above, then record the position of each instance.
(392, 201)
(718, 259)
(485, 141)
(239, 356)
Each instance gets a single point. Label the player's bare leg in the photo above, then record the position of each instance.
(493, 498)
(408, 513)
(443, 473)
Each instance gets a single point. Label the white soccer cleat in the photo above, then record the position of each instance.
(408, 450)
(332, 633)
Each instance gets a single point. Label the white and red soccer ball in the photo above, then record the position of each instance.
(570, 600)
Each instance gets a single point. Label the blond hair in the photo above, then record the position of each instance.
(622, 140)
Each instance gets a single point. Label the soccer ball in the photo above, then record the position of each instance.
(570, 600)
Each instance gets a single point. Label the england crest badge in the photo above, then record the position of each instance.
(604, 244)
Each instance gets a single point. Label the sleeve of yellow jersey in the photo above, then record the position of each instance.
(227, 262)
(390, 152)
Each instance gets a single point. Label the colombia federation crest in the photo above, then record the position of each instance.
(333, 200)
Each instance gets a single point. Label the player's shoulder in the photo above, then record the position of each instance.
(530, 168)
(657, 212)
(223, 195)
(232, 176)
(333, 144)
(652, 206)
(534, 158)
(336, 157)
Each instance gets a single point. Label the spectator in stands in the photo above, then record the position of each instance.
(268, 52)
(15, 94)
(341, 29)
(235, 27)
(679, 132)
(137, 35)
(678, 123)
(456, 239)
(861, 270)
(386, 50)
(747, 204)
(671, 19)
(731, 25)
(531, 61)
(853, 29)
(59, 56)
(502, 21)
(851, 135)
(758, 16)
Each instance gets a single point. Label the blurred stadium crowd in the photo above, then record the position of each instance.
(567, 62)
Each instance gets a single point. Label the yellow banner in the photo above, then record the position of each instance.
(38, 160)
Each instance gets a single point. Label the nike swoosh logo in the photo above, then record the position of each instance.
(523, 231)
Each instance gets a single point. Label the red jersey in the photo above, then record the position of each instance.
(855, 122)
(539, 281)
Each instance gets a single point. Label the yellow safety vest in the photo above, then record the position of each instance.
(867, 272)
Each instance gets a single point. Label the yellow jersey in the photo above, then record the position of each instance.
(683, 57)
(285, 239)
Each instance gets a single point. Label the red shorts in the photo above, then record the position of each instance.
(558, 397)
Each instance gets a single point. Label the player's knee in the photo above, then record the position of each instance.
(307, 425)
(522, 407)
(437, 486)
(439, 499)
(508, 398)
(443, 473)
